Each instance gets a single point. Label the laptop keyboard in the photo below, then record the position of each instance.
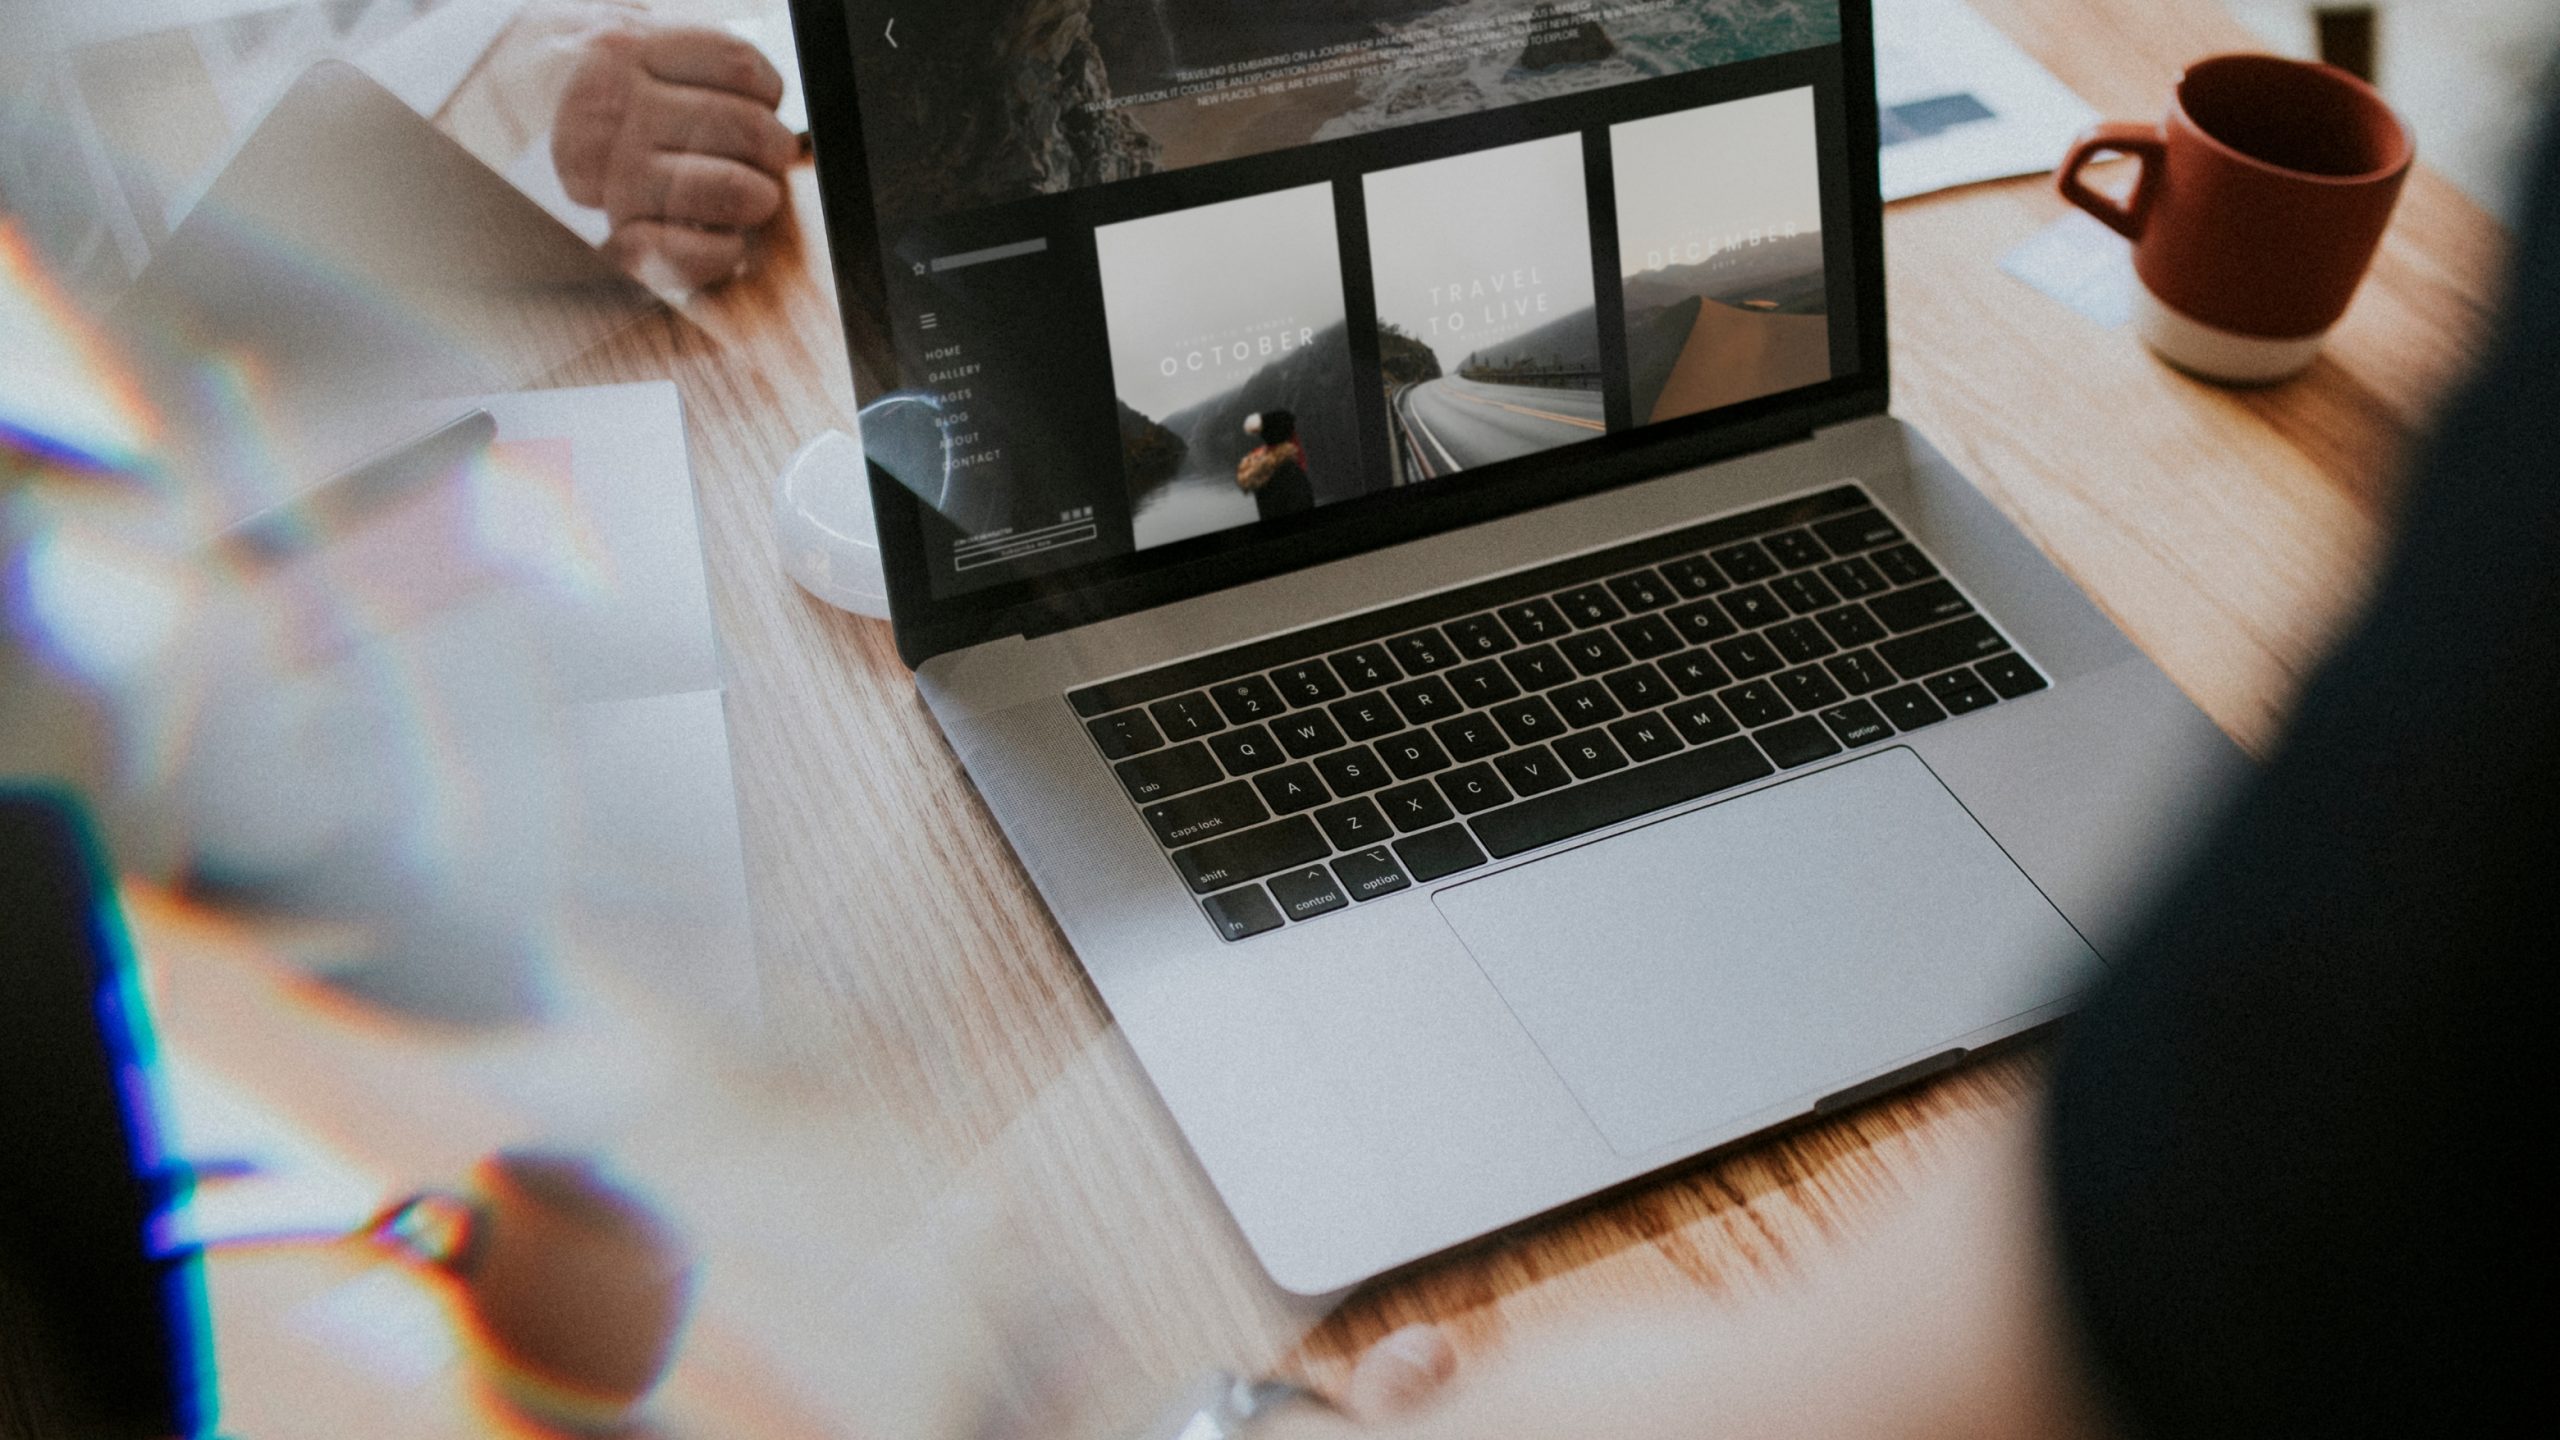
(1310, 772)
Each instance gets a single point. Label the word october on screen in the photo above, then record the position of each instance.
(1160, 270)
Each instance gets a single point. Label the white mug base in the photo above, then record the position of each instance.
(2217, 354)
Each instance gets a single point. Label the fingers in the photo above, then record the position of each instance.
(674, 257)
(1399, 1373)
(712, 122)
(715, 58)
(705, 190)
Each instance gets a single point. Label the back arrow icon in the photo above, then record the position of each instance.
(890, 34)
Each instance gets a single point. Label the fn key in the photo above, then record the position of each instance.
(1240, 914)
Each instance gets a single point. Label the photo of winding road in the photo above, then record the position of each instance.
(1721, 255)
(1489, 339)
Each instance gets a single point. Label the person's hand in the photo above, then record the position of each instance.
(671, 132)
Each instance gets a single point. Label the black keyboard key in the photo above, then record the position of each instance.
(1810, 688)
(1645, 737)
(1538, 667)
(1242, 914)
(1430, 856)
(1745, 562)
(1534, 620)
(1703, 622)
(1798, 742)
(1701, 721)
(1187, 717)
(1622, 796)
(1353, 823)
(1355, 771)
(1478, 635)
(1860, 672)
(1168, 773)
(1795, 549)
(1483, 683)
(1413, 754)
(1205, 814)
(1247, 700)
(1695, 672)
(1306, 894)
(1291, 788)
(1642, 590)
(1425, 700)
(1590, 605)
(1918, 606)
(1245, 751)
(1757, 703)
(2011, 675)
(1309, 732)
(1250, 854)
(1647, 636)
(1854, 578)
(1528, 720)
(1366, 667)
(1590, 754)
(1474, 787)
(1366, 717)
(1803, 594)
(1586, 703)
(1638, 687)
(1694, 577)
(1370, 873)
(1857, 723)
(1909, 707)
(1905, 565)
(1471, 737)
(1863, 531)
(1422, 652)
(1594, 651)
(1417, 806)
(1799, 642)
(1128, 733)
(1747, 656)
(1533, 771)
(1961, 691)
(1850, 626)
(1309, 682)
(1926, 652)
(1752, 606)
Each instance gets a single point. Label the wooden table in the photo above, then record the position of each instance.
(989, 1166)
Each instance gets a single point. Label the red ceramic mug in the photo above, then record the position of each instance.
(2260, 203)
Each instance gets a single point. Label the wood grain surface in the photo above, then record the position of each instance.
(940, 1067)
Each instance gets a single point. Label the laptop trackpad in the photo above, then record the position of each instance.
(1767, 950)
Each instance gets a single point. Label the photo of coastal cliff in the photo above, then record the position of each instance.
(1721, 255)
(1489, 337)
(1228, 336)
(985, 101)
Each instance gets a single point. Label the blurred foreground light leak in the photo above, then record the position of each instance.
(62, 396)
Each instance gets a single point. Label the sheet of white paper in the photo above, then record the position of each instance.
(1960, 103)
(539, 179)
(425, 63)
(643, 626)
(2081, 263)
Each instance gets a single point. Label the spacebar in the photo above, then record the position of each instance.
(1622, 796)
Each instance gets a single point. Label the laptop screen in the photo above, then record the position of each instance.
(1165, 278)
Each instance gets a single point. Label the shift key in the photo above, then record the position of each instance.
(1927, 652)
(1251, 854)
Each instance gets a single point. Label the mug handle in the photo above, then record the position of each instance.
(2145, 144)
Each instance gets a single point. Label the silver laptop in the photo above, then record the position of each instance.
(1394, 505)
